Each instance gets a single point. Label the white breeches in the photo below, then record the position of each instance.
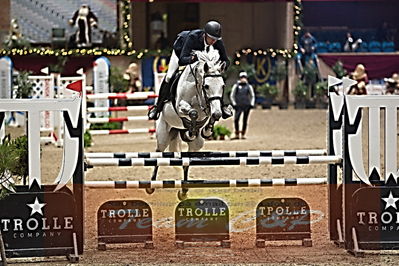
(173, 66)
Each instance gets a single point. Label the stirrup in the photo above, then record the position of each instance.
(153, 113)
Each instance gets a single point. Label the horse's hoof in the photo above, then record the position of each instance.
(206, 133)
(182, 195)
(189, 137)
(149, 190)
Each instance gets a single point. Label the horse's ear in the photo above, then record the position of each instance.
(206, 67)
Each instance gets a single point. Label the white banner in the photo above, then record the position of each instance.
(101, 82)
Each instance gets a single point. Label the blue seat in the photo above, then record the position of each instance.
(375, 47)
(363, 47)
(335, 47)
(322, 47)
(388, 47)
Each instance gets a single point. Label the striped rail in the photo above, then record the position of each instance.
(122, 131)
(126, 96)
(271, 153)
(118, 108)
(116, 119)
(206, 183)
(223, 161)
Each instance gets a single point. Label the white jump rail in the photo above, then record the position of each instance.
(222, 161)
(270, 153)
(127, 96)
(118, 108)
(205, 183)
(122, 131)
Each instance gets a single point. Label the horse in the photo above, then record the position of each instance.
(197, 105)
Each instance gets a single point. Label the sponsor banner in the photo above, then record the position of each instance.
(42, 221)
(375, 214)
(200, 220)
(124, 221)
(283, 218)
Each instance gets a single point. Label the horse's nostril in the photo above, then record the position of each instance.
(217, 115)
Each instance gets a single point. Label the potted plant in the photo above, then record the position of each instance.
(220, 132)
(269, 92)
(279, 75)
(339, 70)
(321, 89)
(300, 92)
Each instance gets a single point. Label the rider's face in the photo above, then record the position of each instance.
(209, 40)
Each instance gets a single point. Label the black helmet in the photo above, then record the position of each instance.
(213, 29)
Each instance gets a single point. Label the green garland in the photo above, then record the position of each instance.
(128, 44)
(286, 53)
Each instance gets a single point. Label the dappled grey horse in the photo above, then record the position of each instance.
(197, 106)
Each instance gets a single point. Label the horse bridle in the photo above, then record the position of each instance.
(208, 100)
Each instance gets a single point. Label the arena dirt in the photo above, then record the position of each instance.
(268, 129)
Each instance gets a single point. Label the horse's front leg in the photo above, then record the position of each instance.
(195, 145)
(184, 109)
(163, 140)
(207, 131)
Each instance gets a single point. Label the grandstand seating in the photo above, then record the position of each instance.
(335, 47)
(37, 18)
(375, 46)
(322, 47)
(329, 37)
(388, 47)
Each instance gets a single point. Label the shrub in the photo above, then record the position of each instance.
(268, 90)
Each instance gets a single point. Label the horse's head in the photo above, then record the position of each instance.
(210, 70)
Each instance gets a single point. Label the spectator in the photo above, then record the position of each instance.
(242, 99)
(132, 75)
(84, 19)
(392, 84)
(350, 44)
(307, 51)
(360, 76)
(162, 42)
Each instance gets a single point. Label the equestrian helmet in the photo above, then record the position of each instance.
(213, 29)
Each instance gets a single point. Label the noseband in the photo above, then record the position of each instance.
(208, 100)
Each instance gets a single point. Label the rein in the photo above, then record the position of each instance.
(197, 87)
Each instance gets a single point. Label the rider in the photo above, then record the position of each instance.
(184, 48)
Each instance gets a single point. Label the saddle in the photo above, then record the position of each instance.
(173, 85)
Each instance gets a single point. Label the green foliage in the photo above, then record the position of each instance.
(20, 146)
(267, 90)
(310, 74)
(339, 70)
(59, 66)
(117, 82)
(234, 70)
(279, 71)
(87, 139)
(220, 130)
(8, 162)
(300, 91)
(106, 126)
(24, 86)
(321, 88)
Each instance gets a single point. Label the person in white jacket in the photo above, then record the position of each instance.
(242, 99)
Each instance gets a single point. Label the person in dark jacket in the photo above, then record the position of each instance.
(185, 45)
(84, 19)
(242, 99)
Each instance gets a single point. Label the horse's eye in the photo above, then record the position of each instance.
(206, 87)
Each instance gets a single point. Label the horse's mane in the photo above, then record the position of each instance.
(212, 56)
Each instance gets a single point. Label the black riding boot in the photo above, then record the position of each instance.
(164, 91)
